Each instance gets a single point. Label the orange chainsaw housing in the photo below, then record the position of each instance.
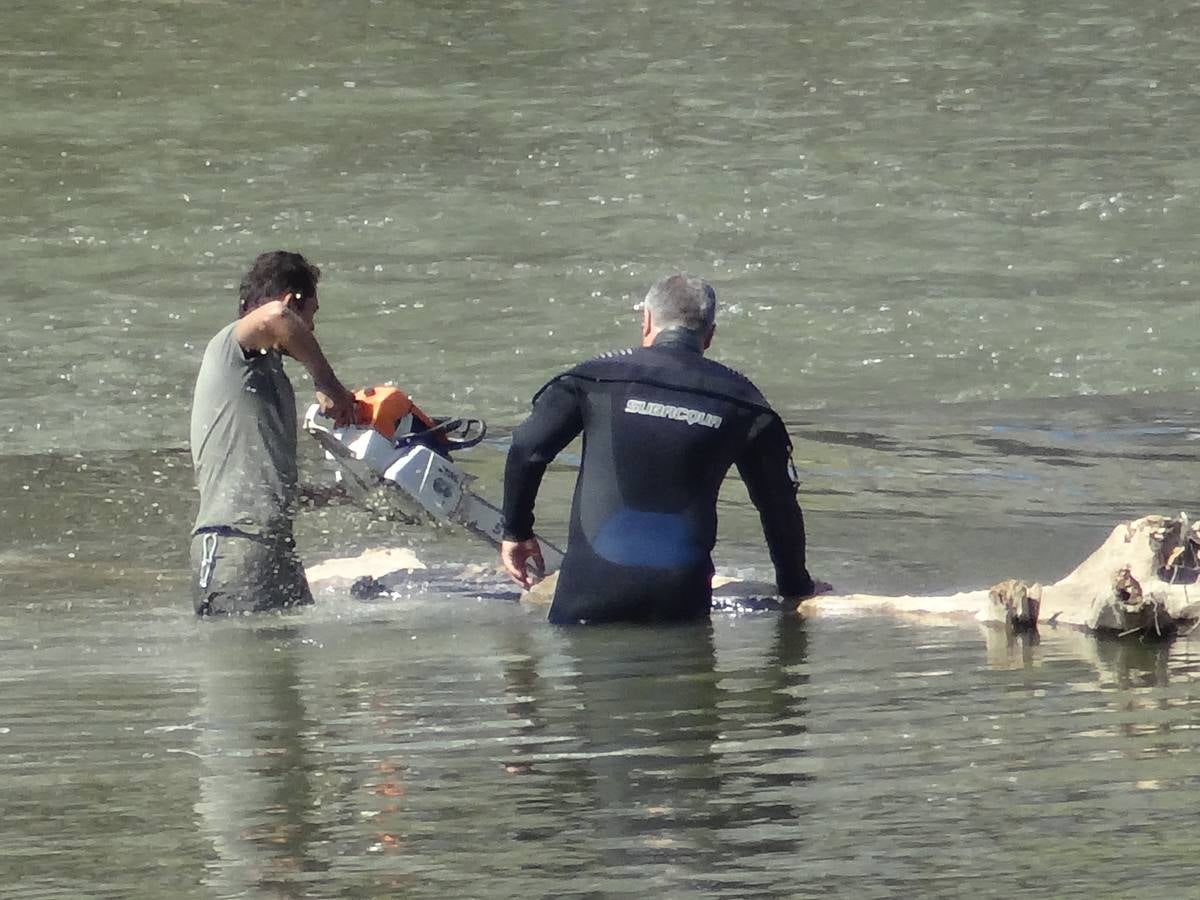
(384, 408)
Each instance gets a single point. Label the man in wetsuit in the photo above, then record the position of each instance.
(661, 426)
(243, 438)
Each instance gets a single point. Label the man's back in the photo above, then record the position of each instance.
(661, 425)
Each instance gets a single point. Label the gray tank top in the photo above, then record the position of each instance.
(244, 439)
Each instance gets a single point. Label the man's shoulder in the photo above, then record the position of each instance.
(690, 371)
(224, 334)
(734, 382)
(604, 361)
(734, 375)
(224, 347)
(605, 366)
(218, 348)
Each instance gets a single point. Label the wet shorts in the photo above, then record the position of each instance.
(234, 573)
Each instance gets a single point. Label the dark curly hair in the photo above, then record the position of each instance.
(274, 274)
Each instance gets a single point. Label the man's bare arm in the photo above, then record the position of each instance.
(275, 326)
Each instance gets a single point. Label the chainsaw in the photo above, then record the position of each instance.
(397, 462)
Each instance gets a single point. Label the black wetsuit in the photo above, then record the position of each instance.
(661, 427)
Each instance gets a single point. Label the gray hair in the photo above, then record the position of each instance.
(683, 301)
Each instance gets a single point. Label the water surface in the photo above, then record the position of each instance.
(954, 245)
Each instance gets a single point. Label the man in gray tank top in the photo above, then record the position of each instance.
(243, 438)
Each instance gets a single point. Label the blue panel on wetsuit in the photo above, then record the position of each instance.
(654, 540)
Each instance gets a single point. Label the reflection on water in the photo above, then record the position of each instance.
(257, 802)
(759, 756)
(612, 757)
(636, 736)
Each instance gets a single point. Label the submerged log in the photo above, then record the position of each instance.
(1142, 580)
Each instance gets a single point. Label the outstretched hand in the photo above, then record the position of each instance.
(522, 560)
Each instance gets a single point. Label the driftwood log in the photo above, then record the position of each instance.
(1141, 581)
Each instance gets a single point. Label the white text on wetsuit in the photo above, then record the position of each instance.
(678, 413)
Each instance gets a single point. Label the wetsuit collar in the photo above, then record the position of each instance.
(679, 339)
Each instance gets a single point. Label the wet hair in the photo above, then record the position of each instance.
(274, 274)
(683, 301)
